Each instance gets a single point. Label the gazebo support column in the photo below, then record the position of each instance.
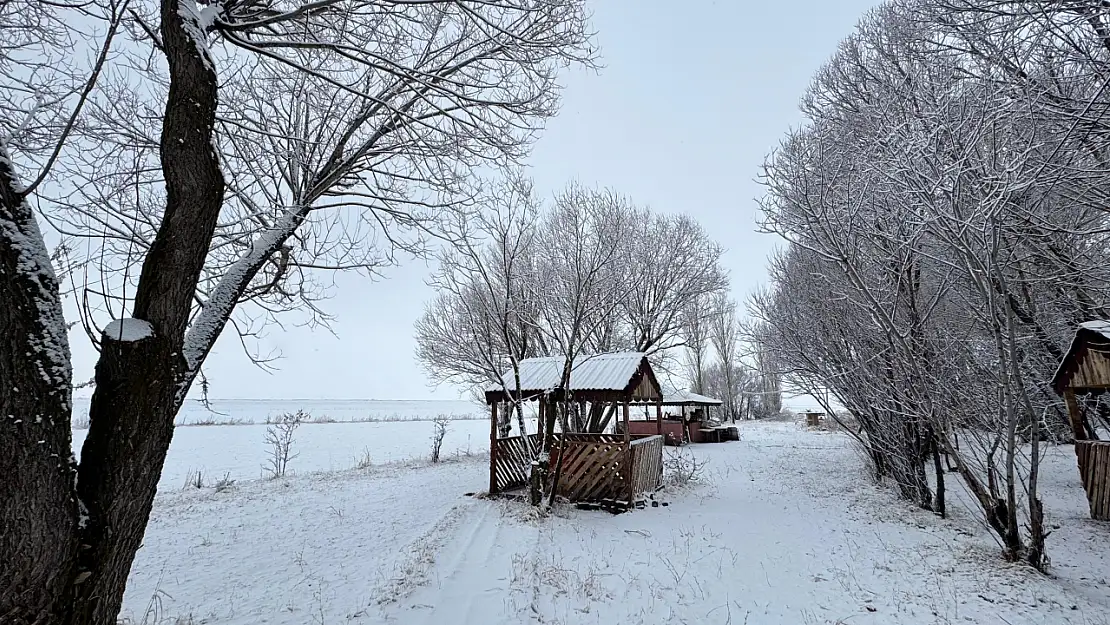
(493, 449)
(627, 434)
(659, 421)
(1075, 417)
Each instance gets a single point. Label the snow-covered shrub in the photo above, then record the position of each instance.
(439, 431)
(195, 479)
(224, 483)
(681, 467)
(279, 437)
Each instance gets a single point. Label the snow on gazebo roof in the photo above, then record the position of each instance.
(616, 372)
(688, 398)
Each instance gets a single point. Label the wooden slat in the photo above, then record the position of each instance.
(510, 460)
(1094, 469)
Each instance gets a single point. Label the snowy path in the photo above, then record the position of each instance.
(787, 531)
(783, 529)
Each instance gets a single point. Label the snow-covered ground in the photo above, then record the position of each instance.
(784, 528)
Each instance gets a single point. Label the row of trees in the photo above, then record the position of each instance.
(590, 272)
(723, 362)
(945, 208)
(206, 165)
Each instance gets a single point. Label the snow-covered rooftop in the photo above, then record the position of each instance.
(1101, 326)
(687, 397)
(596, 372)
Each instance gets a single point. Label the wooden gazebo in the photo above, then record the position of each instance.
(595, 467)
(1085, 369)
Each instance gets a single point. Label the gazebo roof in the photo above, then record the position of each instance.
(611, 376)
(1086, 365)
(687, 398)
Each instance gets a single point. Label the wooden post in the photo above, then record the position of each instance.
(627, 435)
(1075, 418)
(541, 424)
(659, 421)
(627, 468)
(493, 449)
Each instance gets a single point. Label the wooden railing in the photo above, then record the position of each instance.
(593, 466)
(603, 468)
(596, 468)
(510, 459)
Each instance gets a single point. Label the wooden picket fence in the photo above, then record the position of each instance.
(1094, 467)
(510, 459)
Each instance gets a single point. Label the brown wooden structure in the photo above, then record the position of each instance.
(813, 419)
(595, 467)
(697, 425)
(1085, 370)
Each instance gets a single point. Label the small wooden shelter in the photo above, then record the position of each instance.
(813, 418)
(1085, 370)
(697, 425)
(595, 467)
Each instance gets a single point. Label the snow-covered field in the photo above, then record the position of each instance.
(240, 451)
(244, 411)
(784, 528)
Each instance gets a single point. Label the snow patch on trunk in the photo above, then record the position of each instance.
(129, 330)
(22, 235)
(197, 22)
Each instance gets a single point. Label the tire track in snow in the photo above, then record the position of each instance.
(460, 588)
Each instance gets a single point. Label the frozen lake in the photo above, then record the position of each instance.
(240, 450)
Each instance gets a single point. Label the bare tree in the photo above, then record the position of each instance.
(725, 335)
(695, 331)
(942, 216)
(481, 322)
(316, 131)
(280, 436)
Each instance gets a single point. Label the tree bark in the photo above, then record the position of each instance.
(137, 383)
(38, 505)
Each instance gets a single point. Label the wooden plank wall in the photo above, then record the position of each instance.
(1092, 369)
(1094, 468)
(511, 459)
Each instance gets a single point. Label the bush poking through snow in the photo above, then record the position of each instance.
(154, 614)
(364, 462)
(195, 479)
(224, 483)
(439, 431)
(681, 467)
(279, 436)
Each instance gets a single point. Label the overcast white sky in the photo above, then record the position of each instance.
(692, 97)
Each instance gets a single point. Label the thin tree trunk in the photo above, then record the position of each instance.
(938, 468)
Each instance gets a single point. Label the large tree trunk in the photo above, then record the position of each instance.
(38, 505)
(137, 382)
